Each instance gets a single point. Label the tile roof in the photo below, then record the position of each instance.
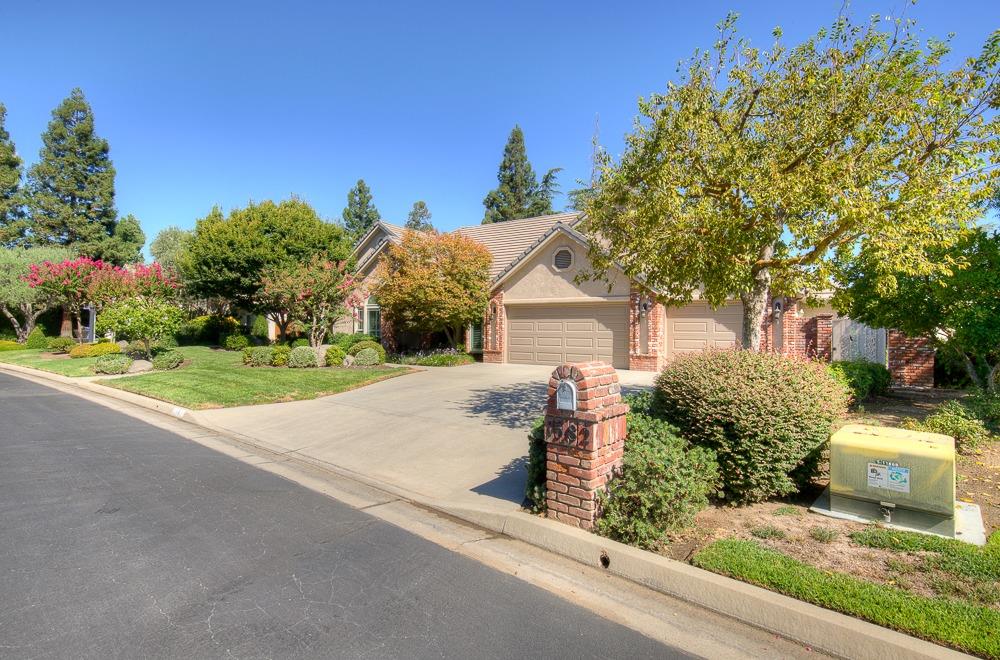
(508, 241)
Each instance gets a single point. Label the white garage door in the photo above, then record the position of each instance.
(696, 326)
(554, 334)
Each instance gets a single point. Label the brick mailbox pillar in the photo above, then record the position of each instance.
(584, 439)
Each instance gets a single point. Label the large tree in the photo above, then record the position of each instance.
(769, 171)
(419, 218)
(124, 246)
(169, 245)
(519, 193)
(434, 282)
(21, 303)
(72, 187)
(12, 225)
(360, 214)
(227, 256)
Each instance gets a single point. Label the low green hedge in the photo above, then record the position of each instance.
(36, 339)
(335, 356)
(94, 350)
(167, 360)
(302, 357)
(954, 419)
(112, 363)
(234, 342)
(368, 357)
(279, 356)
(61, 344)
(374, 345)
(10, 345)
(864, 379)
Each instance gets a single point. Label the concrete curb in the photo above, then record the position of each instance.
(824, 630)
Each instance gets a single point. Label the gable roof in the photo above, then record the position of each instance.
(508, 242)
(392, 234)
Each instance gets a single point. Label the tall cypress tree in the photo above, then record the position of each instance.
(72, 186)
(12, 223)
(519, 194)
(360, 214)
(419, 217)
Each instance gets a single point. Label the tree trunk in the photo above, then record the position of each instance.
(991, 382)
(22, 335)
(451, 334)
(755, 303)
(78, 316)
(971, 371)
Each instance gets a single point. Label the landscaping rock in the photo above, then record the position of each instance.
(122, 345)
(349, 361)
(139, 366)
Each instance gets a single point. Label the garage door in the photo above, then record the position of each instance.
(554, 334)
(697, 326)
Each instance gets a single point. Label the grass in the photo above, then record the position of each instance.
(979, 564)
(218, 379)
(72, 367)
(959, 624)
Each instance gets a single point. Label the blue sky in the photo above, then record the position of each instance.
(221, 102)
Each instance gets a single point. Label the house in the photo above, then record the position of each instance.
(542, 312)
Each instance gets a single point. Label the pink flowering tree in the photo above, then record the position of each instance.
(68, 282)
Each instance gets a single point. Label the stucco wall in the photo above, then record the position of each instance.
(538, 279)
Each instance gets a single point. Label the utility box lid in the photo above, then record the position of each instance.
(909, 469)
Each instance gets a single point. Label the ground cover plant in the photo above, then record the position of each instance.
(438, 358)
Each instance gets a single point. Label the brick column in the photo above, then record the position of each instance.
(494, 329)
(911, 360)
(650, 357)
(823, 344)
(584, 445)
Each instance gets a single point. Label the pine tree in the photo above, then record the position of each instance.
(11, 210)
(360, 214)
(123, 247)
(419, 218)
(72, 186)
(519, 194)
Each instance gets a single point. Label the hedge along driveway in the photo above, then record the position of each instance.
(215, 378)
(62, 365)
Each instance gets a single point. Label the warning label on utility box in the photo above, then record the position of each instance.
(878, 475)
(889, 477)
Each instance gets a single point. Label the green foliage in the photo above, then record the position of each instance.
(347, 339)
(124, 246)
(141, 319)
(12, 225)
(864, 379)
(36, 339)
(61, 344)
(167, 360)
(258, 328)
(279, 356)
(766, 416)
(258, 356)
(787, 510)
(302, 357)
(986, 407)
(314, 295)
(951, 555)
(299, 341)
(112, 364)
(169, 245)
(373, 345)
(234, 342)
(968, 627)
(20, 303)
(72, 186)
(534, 490)
(519, 194)
(94, 350)
(8, 345)
(419, 218)
(953, 419)
(360, 215)
(767, 532)
(437, 358)
(822, 534)
(335, 356)
(663, 483)
(367, 357)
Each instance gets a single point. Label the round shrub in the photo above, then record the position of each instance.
(9, 345)
(279, 356)
(61, 344)
(94, 350)
(235, 342)
(335, 356)
(167, 341)
(112, 364)
(258, 356)
(864, 379)
(662, 484)
(954, 419)
(367, 357)
(258, 328)
(301, 357)
(299, 342)
(36, 339)
(135, 350)
(167, 360)
(366, 344)
(766, 416)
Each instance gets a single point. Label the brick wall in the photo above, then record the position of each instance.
(650, 359)
(911, 360)
(494, 330)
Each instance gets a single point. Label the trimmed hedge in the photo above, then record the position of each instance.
(167, 360)
(367, 357)
(112, 363)
(234, 342)
(279, 356)
(36, 339)
(335, 356)
(258, 356)
(366, 344)
(864, 379)
(348, 339)
(94, 350)
(61, 344)
(302, 357)
(299, 342)
(10, 345)
(766, 416)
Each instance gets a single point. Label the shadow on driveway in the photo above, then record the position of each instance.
(509, 483)
(514, 406)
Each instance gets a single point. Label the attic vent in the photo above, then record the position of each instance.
(563, 259)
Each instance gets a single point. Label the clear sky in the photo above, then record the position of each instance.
(217, 102)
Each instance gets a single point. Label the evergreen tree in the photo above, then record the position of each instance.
(419, 218)
(11, 210)
(169, 245)
(360, 214)
(519, 194)
(124, 246)
(72, 186)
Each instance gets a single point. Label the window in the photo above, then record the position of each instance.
(373, 324)
(563, 259)
(476, 337)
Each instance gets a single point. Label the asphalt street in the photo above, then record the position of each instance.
(121, 540)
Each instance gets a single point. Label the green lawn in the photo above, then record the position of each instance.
(218, 379)
(62, 365)
(957, 623)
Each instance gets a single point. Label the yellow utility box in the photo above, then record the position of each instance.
(908, 469)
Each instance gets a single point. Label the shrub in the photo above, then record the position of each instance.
(662, 484)
(864, 379)
(207, 329)
(299, 342)
(258, 356)
(822, 534)
(439, 358)
(167, 341)
(167, 360)
(985, 405)
(111, 363)
(335, 356)
(766, 416)
(10, 345)
(258, 328)
(534, 491)
(235, 342)
(279, 356)
(366, 344)
(367, 357)
(36, 339)
(954, 419)
(94, 350)
(767, 532)
(301, 357)
(61, 344)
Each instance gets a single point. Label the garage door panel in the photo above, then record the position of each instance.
(568, 333)
(549, 342)
(696, 327)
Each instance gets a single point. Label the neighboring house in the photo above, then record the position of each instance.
(541, 310)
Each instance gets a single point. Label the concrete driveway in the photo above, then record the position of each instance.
(456, 434)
